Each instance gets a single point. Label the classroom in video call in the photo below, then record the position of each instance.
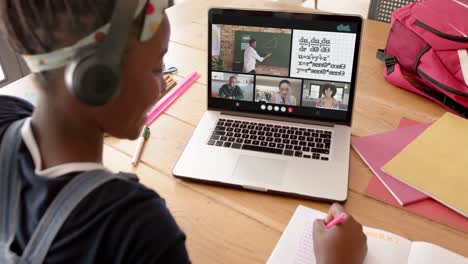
(286, 67)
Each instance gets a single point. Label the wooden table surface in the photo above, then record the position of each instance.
(234, 226)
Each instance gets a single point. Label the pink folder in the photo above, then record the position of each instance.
(406, 122)
(377, 150)
(428, 208)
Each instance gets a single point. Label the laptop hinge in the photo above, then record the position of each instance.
(280, 118)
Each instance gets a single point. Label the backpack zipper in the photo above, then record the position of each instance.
(439, 33)
(441, 85)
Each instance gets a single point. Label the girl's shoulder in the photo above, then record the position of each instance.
(320, 101)
(336, 103)
(13, 109)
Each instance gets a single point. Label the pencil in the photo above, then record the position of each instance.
(169, 83)
(172, 85)
(167, 76)
(168, 88)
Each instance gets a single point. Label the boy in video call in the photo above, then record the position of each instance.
(327, 100)
(231, 90)
(251, 57)
(284, 95)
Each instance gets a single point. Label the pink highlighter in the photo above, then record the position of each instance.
(336, 221)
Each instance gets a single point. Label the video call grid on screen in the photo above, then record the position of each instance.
(310, 69)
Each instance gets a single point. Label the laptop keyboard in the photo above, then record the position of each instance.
(275, 139)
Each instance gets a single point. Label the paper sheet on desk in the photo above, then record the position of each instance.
(298, 238)
(296, 245)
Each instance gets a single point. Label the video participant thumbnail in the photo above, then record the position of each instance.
(282, 91)
(253, 50)
(323, 94)
(232, 86)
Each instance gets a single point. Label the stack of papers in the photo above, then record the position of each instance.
(393, 156)
(377, 150)
(436, 163)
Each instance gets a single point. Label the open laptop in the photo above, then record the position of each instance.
(280, 101)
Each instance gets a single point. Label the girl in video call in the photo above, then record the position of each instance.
(62, 137)
(284, 95)
(327, 100)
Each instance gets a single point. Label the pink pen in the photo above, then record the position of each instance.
(338, 220)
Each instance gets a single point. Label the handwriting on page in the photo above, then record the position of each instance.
(305, 252)
(322, 55)
(382, 236)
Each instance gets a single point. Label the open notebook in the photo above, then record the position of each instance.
(296, 245)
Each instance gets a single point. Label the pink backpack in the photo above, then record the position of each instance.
(427, 52)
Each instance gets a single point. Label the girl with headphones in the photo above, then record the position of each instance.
(99, 65)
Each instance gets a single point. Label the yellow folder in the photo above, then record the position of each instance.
(436, 163)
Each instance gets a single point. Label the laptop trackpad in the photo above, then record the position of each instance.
(260, 171)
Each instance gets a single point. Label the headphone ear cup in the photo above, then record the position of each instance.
(91, 81)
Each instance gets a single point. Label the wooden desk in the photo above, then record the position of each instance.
(232, 226)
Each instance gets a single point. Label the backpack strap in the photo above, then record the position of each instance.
(9, 190)
(389, 60)
(57, 213)
(397, 78)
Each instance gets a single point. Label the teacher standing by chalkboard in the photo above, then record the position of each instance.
(251, 57)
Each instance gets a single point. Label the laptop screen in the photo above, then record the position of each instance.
(286, 64)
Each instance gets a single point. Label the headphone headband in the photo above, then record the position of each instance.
(59, 58)
(93, 73)
(111, 51)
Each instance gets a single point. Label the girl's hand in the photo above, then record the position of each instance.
(343, 243)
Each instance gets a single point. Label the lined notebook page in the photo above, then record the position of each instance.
(305, 252)
(422, 252)
(296, 245)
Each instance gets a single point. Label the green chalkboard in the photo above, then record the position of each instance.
(279, 44)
